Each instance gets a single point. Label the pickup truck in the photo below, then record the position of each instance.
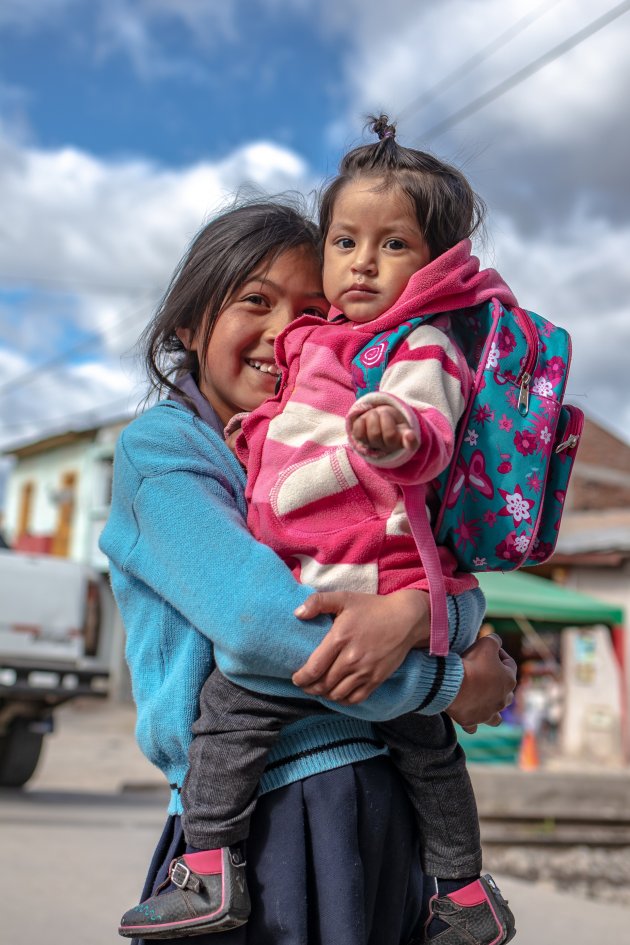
(53, 647)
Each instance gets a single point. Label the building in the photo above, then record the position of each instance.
(59, 489)
(593, 550)
(57, 500)
(58, 493)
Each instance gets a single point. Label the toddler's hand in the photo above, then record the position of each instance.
(384, 430)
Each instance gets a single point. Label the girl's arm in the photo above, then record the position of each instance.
(177, 526)
(348, 666)
(242, 596)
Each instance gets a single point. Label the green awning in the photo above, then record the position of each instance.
(516, 593)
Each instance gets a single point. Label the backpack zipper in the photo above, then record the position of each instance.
(531, 359)
(573, 431)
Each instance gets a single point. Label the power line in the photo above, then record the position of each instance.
(58, 360)
(440, 127)
(498, 90)
(126, 322)
(72, 284)
(476, 60)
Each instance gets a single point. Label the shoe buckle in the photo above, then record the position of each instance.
(180, 874)
(236, 858)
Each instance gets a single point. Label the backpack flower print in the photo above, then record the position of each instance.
(501, 499)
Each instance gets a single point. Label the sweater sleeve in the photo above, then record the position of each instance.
(427, 381)
(191, 546)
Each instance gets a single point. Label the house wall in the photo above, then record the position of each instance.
(46, 471)
(613, 587)
(90, 459)
(593, 716)
(601, 477)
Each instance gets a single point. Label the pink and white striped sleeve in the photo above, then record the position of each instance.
(428, 381)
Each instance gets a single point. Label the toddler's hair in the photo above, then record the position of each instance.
(219, 260)
(447, 208)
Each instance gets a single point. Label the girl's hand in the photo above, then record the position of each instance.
(488, 686)
(368, 641)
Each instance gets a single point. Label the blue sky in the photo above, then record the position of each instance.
(157, 86)
(124, 124)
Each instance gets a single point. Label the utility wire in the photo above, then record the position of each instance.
(492, 94)
(58, 360)
(126, 322)
(476, 60)
(439, 128)
(71, 285)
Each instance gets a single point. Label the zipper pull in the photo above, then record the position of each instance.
(570, 443)
(523, 397)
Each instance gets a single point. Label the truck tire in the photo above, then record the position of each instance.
(19, 753)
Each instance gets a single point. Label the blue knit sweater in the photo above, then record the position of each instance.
(193, 586)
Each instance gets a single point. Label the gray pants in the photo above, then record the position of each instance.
(236, 730)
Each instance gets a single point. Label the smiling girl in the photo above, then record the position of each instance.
(197, 591)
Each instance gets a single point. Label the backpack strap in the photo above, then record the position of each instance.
(367, 369)
(414, 498)
(369, 365)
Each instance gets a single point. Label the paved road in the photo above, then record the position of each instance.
(72, 863)
(76, 845)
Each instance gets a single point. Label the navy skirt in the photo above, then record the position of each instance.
(331, 860)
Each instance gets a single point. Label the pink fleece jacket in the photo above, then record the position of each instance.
(333, 513)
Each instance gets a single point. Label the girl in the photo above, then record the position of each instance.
(194, 587)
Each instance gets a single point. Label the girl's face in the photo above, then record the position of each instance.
(373, 246)
(238, 370)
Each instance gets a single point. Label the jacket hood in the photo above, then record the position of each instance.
(450, 282)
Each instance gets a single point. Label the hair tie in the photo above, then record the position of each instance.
(380, 126)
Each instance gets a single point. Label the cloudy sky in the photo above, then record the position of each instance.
(124, 125)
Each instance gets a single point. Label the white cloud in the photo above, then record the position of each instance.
(395, 59)
(204, 16)
(95, 244)
(558, 132)
(551, 156)
(73, 398)
(133, 29)
(69, 218)
(216, 21)
(576, 275)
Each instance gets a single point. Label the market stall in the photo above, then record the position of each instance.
(567, 646)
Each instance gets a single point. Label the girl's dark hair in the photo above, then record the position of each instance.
(219, 260)
(447, 208)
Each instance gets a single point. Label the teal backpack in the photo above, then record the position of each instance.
(500, 500)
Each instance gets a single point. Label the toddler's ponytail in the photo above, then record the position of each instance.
(447, 208)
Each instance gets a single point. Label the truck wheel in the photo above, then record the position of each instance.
(19, 753)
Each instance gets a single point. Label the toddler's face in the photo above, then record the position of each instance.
(373, 247)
